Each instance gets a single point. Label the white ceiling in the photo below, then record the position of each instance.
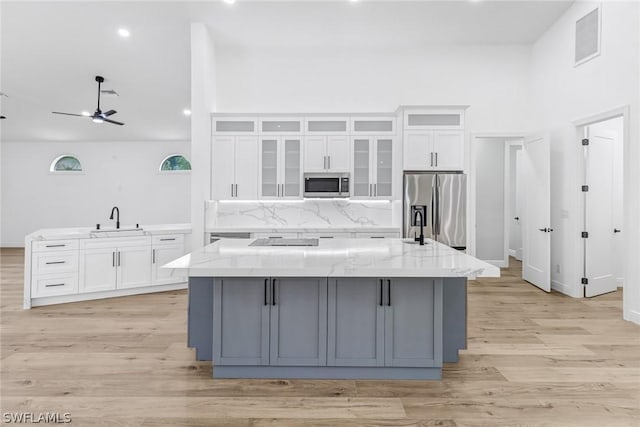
(51, 51)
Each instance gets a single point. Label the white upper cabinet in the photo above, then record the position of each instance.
(434, 150)
(280, 167)
(338, 125)
(434, 138)
(329, 153)
(372, 167)
(234, 164)
(281, 125)
(418, 150)
(433, 118)
(234, 125)
(373, 125)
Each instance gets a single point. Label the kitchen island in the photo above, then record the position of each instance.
(347, 308)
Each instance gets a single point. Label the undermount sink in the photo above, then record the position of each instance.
(284, 242)
(112, 232)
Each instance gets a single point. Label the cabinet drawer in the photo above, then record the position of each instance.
(326, 235)
(276, 235)
(54, 262)
(54, 245)
(54, 284)
(385, 235)
(167, 239)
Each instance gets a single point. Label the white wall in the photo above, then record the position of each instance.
(494, 80)
(563, 93)
(203, 103)
(489, 154)
(123, 174)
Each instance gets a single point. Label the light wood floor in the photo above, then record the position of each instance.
(533, 359)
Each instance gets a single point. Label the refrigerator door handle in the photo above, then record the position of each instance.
(437, 215)
(433, 201)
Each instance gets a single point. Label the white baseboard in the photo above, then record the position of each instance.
(633, 316)
(620, 282)
(498, 263)
(12, 245)
(566, 289)
(512, 252)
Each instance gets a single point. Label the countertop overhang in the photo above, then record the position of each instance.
(89, 232)
(332, 258)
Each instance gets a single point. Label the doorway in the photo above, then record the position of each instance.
(498, 199)
(602, 206)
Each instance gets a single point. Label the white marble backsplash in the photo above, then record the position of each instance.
(313, 213)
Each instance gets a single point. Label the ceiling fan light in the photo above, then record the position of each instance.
(86, 114)
(97, 120)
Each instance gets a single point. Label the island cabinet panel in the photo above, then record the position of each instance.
(355, 322)
(298, 321)
(240, 321)
(413, 322)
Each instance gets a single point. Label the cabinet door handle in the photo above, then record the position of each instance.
(118, 258)
(266, 301)
(51, 285)
(168, 239)
(113, 259)
(329, 157)
(370, 189)
(431, 159)
(389, 292)
(381, 296)
(153, 256)
(236, 190)
(55, 246)
(273, 291)
(55, 262)
(436, 159)
(375, 190)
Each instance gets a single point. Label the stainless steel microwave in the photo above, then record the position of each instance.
(326, 185)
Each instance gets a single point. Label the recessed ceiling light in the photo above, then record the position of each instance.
(123, 32)
(86, 113)
(186, 112)
(229, 1)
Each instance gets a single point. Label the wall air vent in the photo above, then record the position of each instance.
(588, 37)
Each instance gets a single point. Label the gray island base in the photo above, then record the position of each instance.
(327, 327)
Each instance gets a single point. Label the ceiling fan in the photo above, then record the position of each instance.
(98, 116)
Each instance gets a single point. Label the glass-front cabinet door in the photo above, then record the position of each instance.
(291, 168)
(384, 168)
(362, 185)
(268, 167)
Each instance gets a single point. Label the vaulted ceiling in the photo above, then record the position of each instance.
(52, 50)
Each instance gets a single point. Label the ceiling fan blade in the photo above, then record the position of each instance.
(109, 113)
(69, 114)
(113, 121)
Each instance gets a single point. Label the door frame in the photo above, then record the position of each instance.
(630, 252)
(472, 198)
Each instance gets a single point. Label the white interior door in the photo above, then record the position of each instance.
(536, 263)
(519, 202)
(599, 264)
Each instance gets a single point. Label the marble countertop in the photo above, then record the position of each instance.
(353, 229)
(86, 232)
(332, 258)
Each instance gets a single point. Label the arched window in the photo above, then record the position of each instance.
(66, 163)
(175, 162)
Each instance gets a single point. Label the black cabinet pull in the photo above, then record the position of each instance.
(55, 246)
(273, 291)
(265, 292)
(55, 262)
(167, 240)
(53, 284)
(381, 297)
(389, 292)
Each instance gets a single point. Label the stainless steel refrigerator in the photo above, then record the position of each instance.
(444, 198)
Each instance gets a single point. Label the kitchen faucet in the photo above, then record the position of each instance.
(115, 208)
(421, 237)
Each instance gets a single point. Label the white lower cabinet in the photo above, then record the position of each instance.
(161, 255)
(115, 264)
